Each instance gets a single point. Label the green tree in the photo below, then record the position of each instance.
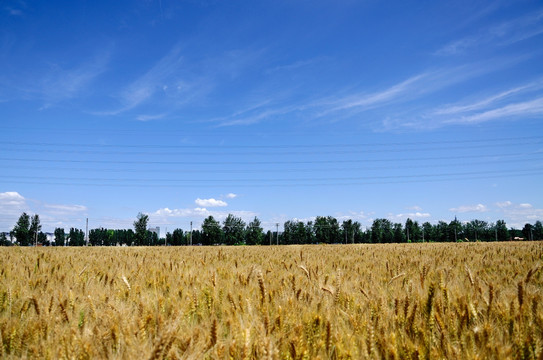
(413, 231)
(76, 237)
(381, 231)
(21, 230)
(442, 232)
(327, 230)
(211, 232)
(60, 237)
(42, 239)
(234, 230)
(456, 231)
(501, 231)
(476, 229)
(35, 228)
(4, 240)
(527, 232)
(427, 231)
(99, 237)
(399, 233)
(179, 238)
(538, 230)
(195, 237)
(140, 229)
(254, 234)
(351, 231)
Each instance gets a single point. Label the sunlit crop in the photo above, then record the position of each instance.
(409, 301)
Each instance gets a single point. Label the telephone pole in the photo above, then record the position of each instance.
(277, 232)
(87, 233)
(191, 233)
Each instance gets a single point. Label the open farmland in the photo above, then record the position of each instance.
(472, 300)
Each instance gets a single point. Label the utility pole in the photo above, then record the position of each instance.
(277, 232)
(407, 228)
(87, 233)
(423, 233)
(496, 232)
(191, 233)
(166, 237)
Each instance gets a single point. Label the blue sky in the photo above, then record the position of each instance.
(276, 109)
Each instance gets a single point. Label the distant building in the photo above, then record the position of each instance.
(9, 237)
(155, 230)
(50, 237)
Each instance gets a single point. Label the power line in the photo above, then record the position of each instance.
(496, 141)
(316, 150)
(267, 179)
(396, 179)
(283, 170)
(261, 162)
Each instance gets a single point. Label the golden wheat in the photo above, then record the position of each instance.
(397, 301)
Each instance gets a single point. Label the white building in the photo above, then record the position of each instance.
(155, 230)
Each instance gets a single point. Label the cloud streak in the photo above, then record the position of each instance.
(172, 216)
(503, 34)
(13, 204)
(57, 83)
(479, 208)
(210, 202)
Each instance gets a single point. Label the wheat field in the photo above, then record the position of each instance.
(408, 301)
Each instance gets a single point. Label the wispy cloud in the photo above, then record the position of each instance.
(152, 81)
(210, 202)
(413, 216)
(470, 208)
(505, 33)
(13, 204)
(365, 101)
(515, 110)
(516, 215)
(488, 101)
(56, 83)
(64, 209)
(145, 118)
(171, 216)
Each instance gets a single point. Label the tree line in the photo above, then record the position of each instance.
(234, 231)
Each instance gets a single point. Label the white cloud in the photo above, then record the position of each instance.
(483, 104)
(210, 202)
(504, 204)
(414, 208)
(516, 215)
(505, 33)
(145, 118)
(13, 204)
(514, 110)
(353, 215)
(166, 216)
(11, 198)
(151, 82)
(412, 216)
(469, 208)
(65, 209)
(231, 196)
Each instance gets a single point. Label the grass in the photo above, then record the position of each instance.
(404, 301)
